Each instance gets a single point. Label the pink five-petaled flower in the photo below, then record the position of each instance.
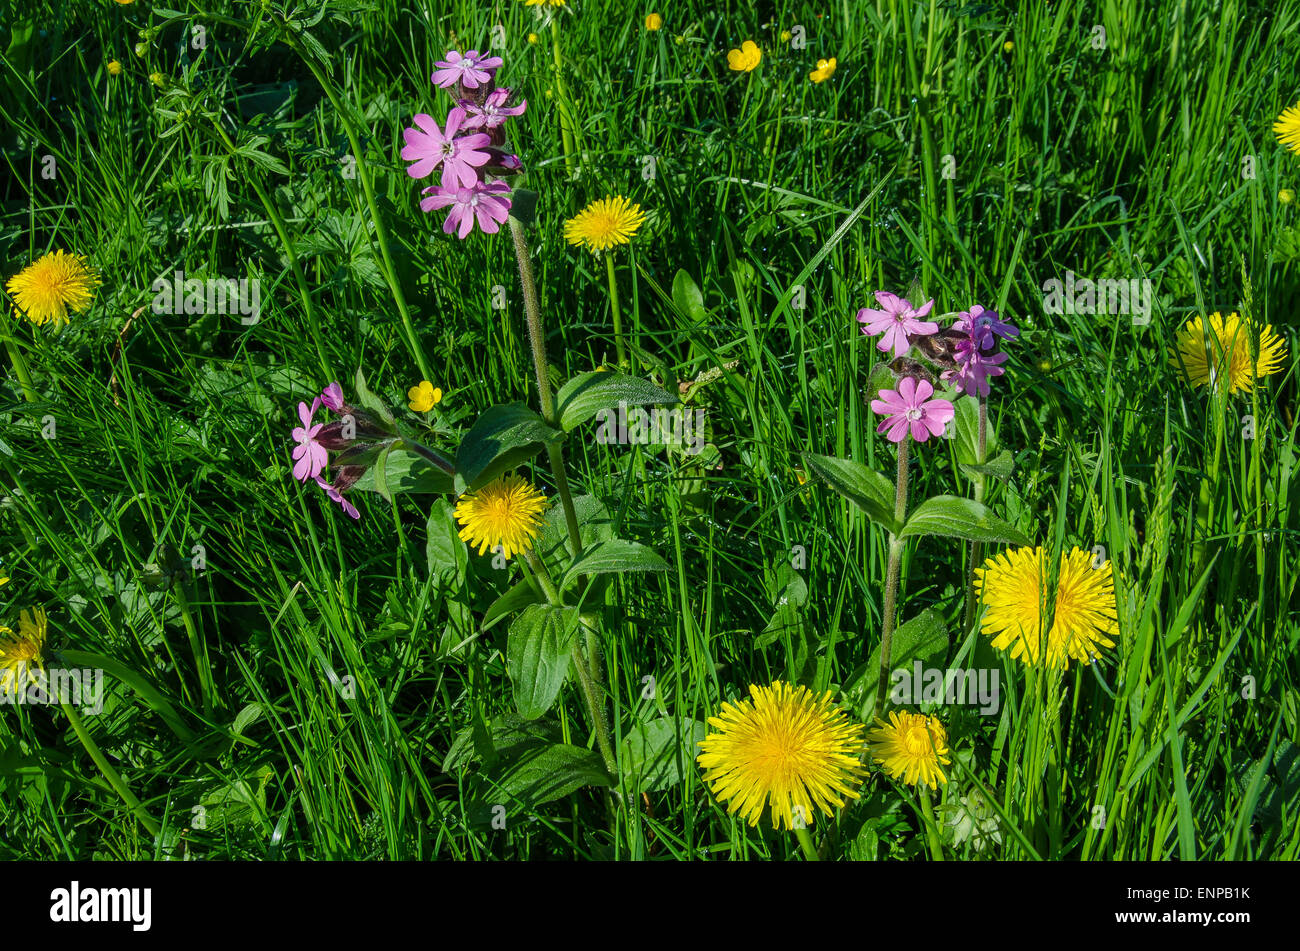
(896, 319)
(471, 70)
(310, 455)
(984, 326)
(482, 202)
(458, 156)
(493, 112)
(974, 367)
(910, 408)
(332, 396)
(337, 496)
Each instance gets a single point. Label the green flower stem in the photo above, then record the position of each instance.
(537, 342)
(931, 826)
(968, 617)
(891, 577)
(16, 357)
(381, 231)
(562, 99)
(277, 222)
(109, 772)
(806, 843)
(543, 577)
(618, 316)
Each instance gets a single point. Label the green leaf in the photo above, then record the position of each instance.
(503, 437)
(587, 394)
(444, 551)
(999, 468)
(952, 517)
(653, 754)
(595, 525)
(537, 656)
(517, 598)
(870, 491)
(688, 298)
(923, 638)
(405, 472)
(142, 685)
(381, 481)
(368, 400)
(965, 438)
(546, 774)
(615, 555)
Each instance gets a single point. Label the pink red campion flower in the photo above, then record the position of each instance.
(898, 320)
(459, 155)
(310, 455)
(471, 70)
(974, 367)
(337, 496)
(984, 326)
(493, 111)
(910, 409)
(332, 396)
(484, 203)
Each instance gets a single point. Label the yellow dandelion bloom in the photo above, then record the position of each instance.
(824, 71)
(786, 745)
(423, 397)
(48, 288)
(19, 654)
(1014, 588)
(1287, 128)
(532, 38)
(654, 22)
(911, 747)
(543, 3)
(505, 513)
(114, 67)
(1224, 352)
(604, 224)
(746, 58)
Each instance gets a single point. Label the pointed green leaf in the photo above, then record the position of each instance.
(503, 437)
(952, 517)
(870, 491)
(587, 394)
(537, 656)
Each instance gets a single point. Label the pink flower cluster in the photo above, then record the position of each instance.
(469, 147)
(316, 439)
(966, 354)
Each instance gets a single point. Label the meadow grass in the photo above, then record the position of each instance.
(282, 682)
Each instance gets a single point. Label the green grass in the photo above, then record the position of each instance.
(312, 690)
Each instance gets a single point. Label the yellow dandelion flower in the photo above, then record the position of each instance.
(48, 288)
(1287, 128)
(911, 747)
(532, 38)
(505, 512)
(543, 3)
(654, 22)
(746, 58)
(19, 654)
(1224, 352)
(1014, 588)
(824, 71)
(423, 397)
(126, 3)
(114, 67)
(786, 745)
(1286, 196)
(604, 224)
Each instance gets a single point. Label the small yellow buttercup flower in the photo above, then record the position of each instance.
(505, 513)
(532, 38)
(911, 747)
(746, 58)
(114, 67)
(653, 22)
(1286, 196)
(824, 71)
(423, 397)
(604, 224)
(1008, 46)
(785, 36)
(48, 288)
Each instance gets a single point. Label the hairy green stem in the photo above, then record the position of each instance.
(968, 616)
(891, 577)
(931, 826)
(806, 843)
(618, 316)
